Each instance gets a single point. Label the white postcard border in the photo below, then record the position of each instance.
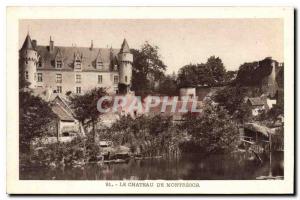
(16, 186)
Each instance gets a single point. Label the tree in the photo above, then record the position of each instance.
(188, 76)
(168, 86)
(147, 68)
(217, 68)
(35, 115)
(212, 73)
(245, 74)
(85, 106)
(211, 132)
(230, 76)
(230, 98)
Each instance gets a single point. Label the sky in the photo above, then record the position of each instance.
(180, 41)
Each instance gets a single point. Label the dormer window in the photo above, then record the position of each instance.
(58, 64)
(77, 64)
(59, 59)
(99, 64)
(115, 67)
(77, 61)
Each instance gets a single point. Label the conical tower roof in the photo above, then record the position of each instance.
(27, 43)
(125, 47)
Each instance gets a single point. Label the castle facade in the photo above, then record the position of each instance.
(75, 69)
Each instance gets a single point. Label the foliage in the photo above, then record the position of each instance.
(233, 100)
(212, 73)
(270, 116)
(251, 74)
(79, 150)
(145, 135)
(168, 86)
(230, 76)
(147, 67)
(245, 74)
(193, 75)
(217, 68)
(211, 132)
(85, 106)
(230, 97)
(35, 115)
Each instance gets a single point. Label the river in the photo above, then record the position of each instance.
(191, 167)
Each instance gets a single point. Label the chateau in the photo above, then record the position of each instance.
(75, 69)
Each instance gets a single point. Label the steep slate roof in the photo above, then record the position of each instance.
(64, 103)
(61, 113)
(27, 43)
(89, 57)
(61, 108)
(257, 101)
(125, 47)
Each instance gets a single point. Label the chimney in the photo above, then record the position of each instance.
(34, 44)
(51, 45)
(92, 45)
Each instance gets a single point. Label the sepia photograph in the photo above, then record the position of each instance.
(164, 99)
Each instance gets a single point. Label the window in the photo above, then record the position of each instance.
(65, 134)
(116, 79)
(99, 64)
(116, 67)
(99, 78)
(77, 64)
(58, 78)
(78, 78)
(59, 89)
(26, 75)
(40, 77)
(58, 64)
(125, 79)
(78, 90)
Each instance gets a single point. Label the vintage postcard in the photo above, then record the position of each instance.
(150, 100)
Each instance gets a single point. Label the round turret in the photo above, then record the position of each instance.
(28, 62)
(125, 62)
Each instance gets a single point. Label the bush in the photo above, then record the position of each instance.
(211, 132)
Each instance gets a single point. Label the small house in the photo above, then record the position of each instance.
(257, 105)
(67, 125)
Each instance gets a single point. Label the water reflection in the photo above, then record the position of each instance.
(192, 167)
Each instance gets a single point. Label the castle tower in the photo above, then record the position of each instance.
(28, 62)
(269, 83)
(125, 67)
